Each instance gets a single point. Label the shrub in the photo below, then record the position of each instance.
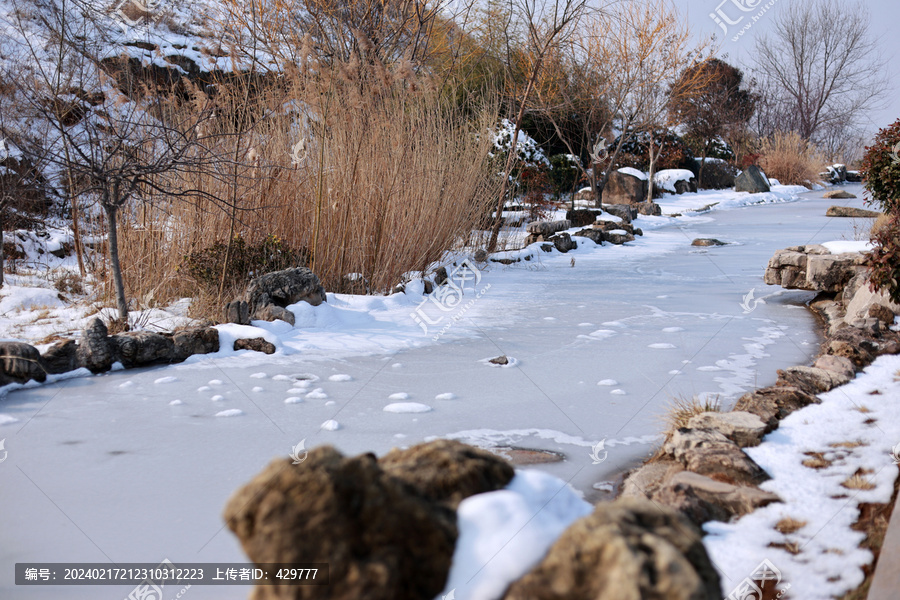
(675, 153)
(791, 159)
(244, 262)
(884, 260)
(717, 174)
(881, 169)
(563, 174)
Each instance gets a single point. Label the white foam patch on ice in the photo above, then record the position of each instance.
(126, 385)
(407, 407)
(661, 346)
(204, 388)
(217, 398)
(258, 389)
(446, 396)
(317, 394)
(258, 375)
(7, 419)
(340, 377)
(330, 425)
(618, 392)
(293, 400)
(231, 412)
(673, 329)
(607, 382)
(176, 403)
(215, 382)
(168, 379)
(282, 378)
(489, 438)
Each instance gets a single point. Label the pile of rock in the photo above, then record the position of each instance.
(387, 528)
(97, 351)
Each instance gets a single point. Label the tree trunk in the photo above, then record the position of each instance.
(702, 165)
(113, 239)
(2, 254)
(653, 158)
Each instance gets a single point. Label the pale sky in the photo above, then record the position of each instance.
(884, 17)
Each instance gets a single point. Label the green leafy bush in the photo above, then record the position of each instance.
(881, 169)
(245, 262)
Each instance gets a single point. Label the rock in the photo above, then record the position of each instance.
(774, 403)
(624, 188)
(812, 380)
(854, 177)
(651, 209)
(480, 255)
(60, 357)
(866, 303)
(707, 242)
(447, 470)
(381, 540)
(21, 362)
(861, 346)
(255, 344)
(585, 194)
(271, 312)
(626, 212)
(613, 225)
(95, 351)
(283, 288)
(836, 364)
(238, 312)
(198, 340)
(830, 272)
(625, 550)
(440, 276)
(618, 237)
(751, 180)
(581, 217)
(547, 228)
(638, 231)
(428, 286)
(596, 235)
(741, 427)
(837, 195)
(702, 499)
(140, 348)
(710, 453)
(645, 480)
(499, 360)
(848, 211)
(686, 186)
(563, 242)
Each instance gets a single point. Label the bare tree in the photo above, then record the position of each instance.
(547, 25)
(820, 67)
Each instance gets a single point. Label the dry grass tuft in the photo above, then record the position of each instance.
(859, 481)
(789, 525)
(682, 409)
(791, 160)
(816, 460)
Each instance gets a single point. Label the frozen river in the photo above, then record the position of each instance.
(107, 469)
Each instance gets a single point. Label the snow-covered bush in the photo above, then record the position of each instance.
(529, 152)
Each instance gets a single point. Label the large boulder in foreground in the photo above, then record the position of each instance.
(96, 351)
(381, 539)
(752, 180)
(629, 549)
(624, 188)
(448, 471)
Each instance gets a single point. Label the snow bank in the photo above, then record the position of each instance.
(667, 178)
(839, 246)
(632, 171)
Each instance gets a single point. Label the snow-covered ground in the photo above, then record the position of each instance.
(853, 430)
(135, 466)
